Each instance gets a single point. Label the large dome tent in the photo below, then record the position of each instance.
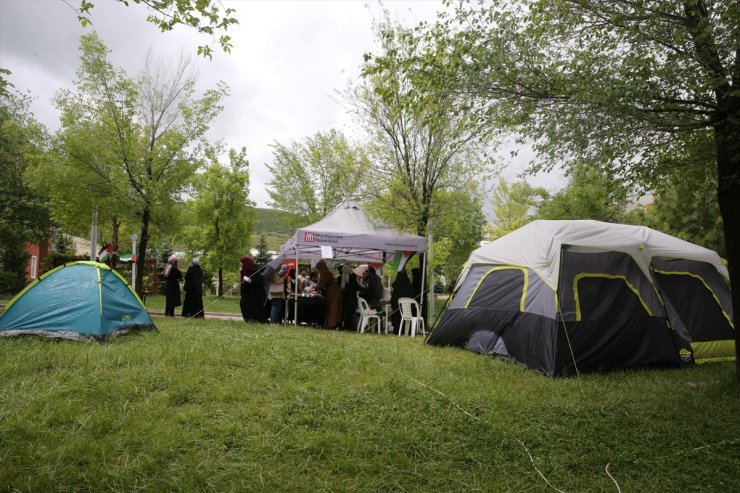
(78, 300)
(566, 296)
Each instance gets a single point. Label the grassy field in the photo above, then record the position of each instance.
(213, 405)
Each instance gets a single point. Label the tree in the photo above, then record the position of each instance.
(618, 84)
(262, 257)
(686, 207)
(422, 145)
(514, 206)
(23, 214)
(311, 178)
(222, 218)
(457, 231)
(205, 16)
(589, 194)
(145, 147)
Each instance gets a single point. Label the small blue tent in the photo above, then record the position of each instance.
(79, 300)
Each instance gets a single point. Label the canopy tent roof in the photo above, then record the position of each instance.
(537, 245)
(352, 236)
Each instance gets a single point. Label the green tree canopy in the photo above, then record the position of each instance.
(23, 215)
(139, 140)
(221, 213)
(312, 177)
(208, 17)
(514, 205)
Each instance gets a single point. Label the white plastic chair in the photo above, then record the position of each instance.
(409, 306)
(366, 314)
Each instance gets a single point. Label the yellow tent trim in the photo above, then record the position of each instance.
(713, 350)
(584, 275)
(695, 276)
(524, 270)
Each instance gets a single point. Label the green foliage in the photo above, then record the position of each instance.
(686, 207)
(457, 231)
(24, 217)
(221, 217)
(205, 16)
(422, 144)
(262, 257)
(311, 178)
(132, 145)
(227, 406)
(589, 194)
(514, 206)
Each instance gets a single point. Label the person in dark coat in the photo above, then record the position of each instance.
(402, 288)
(192, 305)
(329, 288)
(373, 286)
(348, 285)
(172, 277)
(252, 292)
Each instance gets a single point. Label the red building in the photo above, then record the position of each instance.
(37, 254)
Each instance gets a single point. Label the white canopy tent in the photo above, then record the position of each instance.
(347, 233)
(350, 235)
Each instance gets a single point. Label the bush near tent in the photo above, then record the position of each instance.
(568, 296)
(79, 300)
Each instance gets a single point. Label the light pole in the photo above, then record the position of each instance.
(133, 260)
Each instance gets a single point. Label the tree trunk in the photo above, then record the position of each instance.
(116, 226)
(141, 254)
(727, 137)
(220, 287)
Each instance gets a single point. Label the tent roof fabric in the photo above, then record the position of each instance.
(77, 300)
(352, 236)
(538, 244)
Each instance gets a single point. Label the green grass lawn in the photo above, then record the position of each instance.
(213, 405)
(211, 304)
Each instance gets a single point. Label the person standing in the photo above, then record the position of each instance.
(348, 285)
(251, 292)
(276, 295)
(330, 289)
(192, 305)
(172, 277)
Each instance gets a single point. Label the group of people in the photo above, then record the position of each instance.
(192, 305)
(264, 291)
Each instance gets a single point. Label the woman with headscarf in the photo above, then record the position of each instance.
(348, 285)
(192, 305)
(252, 294)
(402, 288)
(329, 288)
(172, 277)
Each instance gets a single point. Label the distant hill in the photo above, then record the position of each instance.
(276, 226)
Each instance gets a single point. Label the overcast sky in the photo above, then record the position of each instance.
(288, 61)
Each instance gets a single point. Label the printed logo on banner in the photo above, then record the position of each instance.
(309, 237)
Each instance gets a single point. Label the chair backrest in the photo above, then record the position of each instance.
(405, 305)
(364, 307)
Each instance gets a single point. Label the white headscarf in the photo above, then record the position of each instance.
(346, 271)
(171, 262)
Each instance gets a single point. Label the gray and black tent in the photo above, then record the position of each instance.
(561, 296)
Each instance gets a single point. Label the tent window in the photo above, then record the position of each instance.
(34, 266)
(592, 275)
(500, 290)
(706, 285)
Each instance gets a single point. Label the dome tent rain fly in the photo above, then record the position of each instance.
(79, 300)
